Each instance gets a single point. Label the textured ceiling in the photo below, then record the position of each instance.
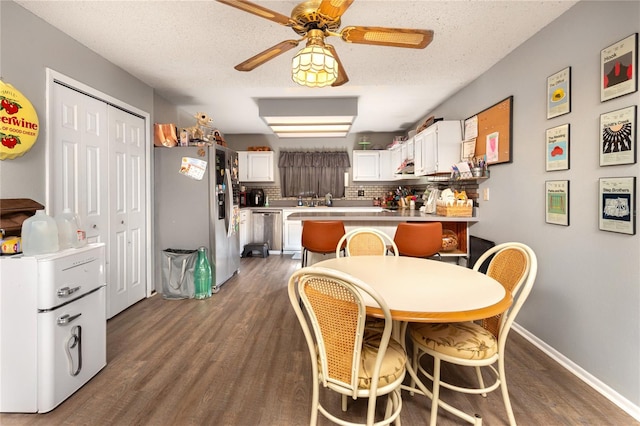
(186, 51)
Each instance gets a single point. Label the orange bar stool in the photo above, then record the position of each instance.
(320, 236)
(422, 239)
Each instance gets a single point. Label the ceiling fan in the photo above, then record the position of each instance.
(316, 19)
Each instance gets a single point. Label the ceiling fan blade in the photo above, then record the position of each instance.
(261, 11)
(334, 8)
(381, 36)
(270, 53)
(342, 74)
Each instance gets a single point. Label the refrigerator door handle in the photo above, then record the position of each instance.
(75, 342)
(66, 318)
(228, 222)
(67, 291)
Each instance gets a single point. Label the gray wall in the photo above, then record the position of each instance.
(586, 300)
(27, 47)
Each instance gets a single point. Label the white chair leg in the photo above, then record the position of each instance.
(414, 363)
(389, 406)
(505, 392)
(397, 398)
(480, 380)
(371, 410)
(344, 403)
(315, 401)
(435, 391)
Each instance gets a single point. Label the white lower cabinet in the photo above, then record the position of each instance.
(292, 233)
(245, 228)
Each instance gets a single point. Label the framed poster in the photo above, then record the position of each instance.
(557, 145)
(557, 202)
(618, 137)
(619, 68)
(618, 204)
(559, 93)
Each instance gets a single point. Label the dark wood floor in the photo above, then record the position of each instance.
(239, 358)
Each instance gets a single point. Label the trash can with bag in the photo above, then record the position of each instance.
(177, 273)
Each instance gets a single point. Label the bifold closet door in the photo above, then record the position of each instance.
(97, 164)
(127, 202)
(79, 160)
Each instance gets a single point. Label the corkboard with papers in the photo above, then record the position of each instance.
(492, 129)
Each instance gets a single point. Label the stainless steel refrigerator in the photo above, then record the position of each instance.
(197, 202)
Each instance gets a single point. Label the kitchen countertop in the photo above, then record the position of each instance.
(400, 215)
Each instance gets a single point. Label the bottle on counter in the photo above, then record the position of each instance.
(69, 232)
(202, 275)
(39, 234)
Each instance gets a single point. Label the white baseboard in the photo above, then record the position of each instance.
(613, 396)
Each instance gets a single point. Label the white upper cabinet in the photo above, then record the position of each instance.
(378, 165)
(366, 165)
(437, 148)
(256, 166)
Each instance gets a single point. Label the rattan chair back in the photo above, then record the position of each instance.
(366, 242)
(511, 265)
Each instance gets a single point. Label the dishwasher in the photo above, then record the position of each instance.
(267, 228)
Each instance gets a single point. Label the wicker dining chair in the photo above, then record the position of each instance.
(422, 239)
(480, 344)
(366, 242)
(345, 358)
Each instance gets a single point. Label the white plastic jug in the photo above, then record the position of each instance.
(39, 234)
(69, 232)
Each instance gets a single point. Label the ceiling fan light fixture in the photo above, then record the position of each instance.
(314, 66)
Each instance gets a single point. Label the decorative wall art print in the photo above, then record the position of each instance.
(618, 204)
(619, 68)
(557, 146)
(559, 93)
(557, 202)
(618, 137)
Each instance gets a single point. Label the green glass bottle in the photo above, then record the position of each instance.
(202, 275)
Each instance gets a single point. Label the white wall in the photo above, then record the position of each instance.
(586, 300)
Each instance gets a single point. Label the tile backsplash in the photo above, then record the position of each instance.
(370, 191)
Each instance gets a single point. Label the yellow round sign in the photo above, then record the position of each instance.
(18, 123)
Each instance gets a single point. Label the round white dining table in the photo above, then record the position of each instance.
(424, 290)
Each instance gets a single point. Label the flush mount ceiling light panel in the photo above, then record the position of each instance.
(318, 65)
(309, 117)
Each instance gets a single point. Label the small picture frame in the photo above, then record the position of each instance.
(618, 137)
(617, 201)
(557, 147)
(559, 93)
(557, 202)
(619, 68)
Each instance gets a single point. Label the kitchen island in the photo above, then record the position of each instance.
(385, 215)
(384, 220)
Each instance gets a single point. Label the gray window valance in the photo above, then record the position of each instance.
(306, 173)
